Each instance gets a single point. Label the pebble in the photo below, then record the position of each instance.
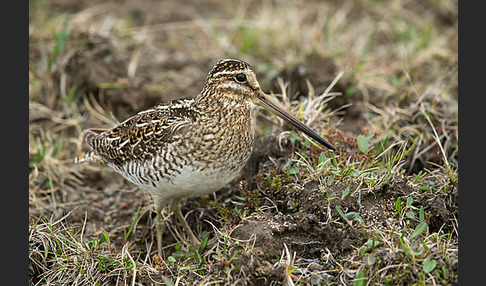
(314, 266)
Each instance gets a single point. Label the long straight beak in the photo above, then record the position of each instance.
(293, 121)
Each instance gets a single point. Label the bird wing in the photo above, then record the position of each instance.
(141, 136)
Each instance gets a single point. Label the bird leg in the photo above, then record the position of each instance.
(176, 209)
(159, 227)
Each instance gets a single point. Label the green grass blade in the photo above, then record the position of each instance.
(133, 224)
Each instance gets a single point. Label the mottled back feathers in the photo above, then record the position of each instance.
(140, 136)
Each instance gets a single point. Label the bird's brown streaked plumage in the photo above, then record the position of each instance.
(139, 137)
(190, 147)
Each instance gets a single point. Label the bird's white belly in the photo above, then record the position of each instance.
(191, 183)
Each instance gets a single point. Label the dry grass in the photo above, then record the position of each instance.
(378, 79)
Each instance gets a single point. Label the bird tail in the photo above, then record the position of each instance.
(90, 156)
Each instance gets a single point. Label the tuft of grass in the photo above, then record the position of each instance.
(60, 42)
(58, 255)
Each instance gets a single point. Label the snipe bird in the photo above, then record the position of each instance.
(188, 148)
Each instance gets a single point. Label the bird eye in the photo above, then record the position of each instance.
(241, 77)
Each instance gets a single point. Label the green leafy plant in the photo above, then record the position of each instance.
(364, 142)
